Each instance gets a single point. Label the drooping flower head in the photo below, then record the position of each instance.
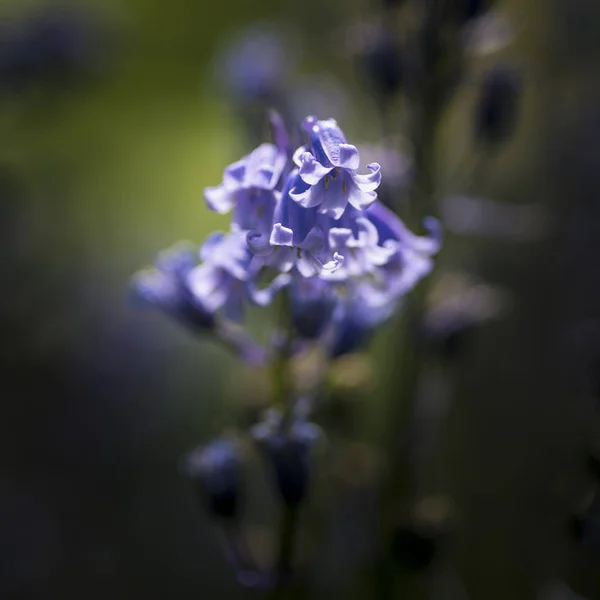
(345, 258)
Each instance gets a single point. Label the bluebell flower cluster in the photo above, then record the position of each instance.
(311, 219)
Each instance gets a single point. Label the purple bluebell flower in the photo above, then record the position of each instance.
(226, 280)
(166, 287)
(248, 188)
(220, 282)
(295, 238)
(217, 469)
(328, 172)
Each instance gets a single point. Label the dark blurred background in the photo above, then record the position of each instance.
(113, 118)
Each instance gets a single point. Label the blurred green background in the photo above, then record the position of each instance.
(100, 400)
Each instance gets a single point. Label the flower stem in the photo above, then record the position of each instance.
(283, 399)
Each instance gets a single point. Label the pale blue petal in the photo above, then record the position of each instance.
(369, 182)
(281, 236)
(312, 171)
(349, 157)
(219, 199)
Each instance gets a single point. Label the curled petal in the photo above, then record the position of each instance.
(219, 199)
(234, 174)
(281, 236)
(349, 157)
(339, 237)
(297, 157)
(334, 264)
(307, 195)
(370, 181)
(359, 199)
(367, 234)
(259, 243)
(312, 171)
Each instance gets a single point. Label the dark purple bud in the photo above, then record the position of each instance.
(288, 454)
(217, 470)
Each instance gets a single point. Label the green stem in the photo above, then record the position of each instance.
(287, 540)
(283, 398)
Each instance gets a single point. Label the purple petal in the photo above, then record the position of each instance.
(334, 201)
(339, 237)
(219, 199)
(369, 182)
(281, 236)
(259, 243)
(335, 264)
(314, 241)
(209, 286)
(309, 197)
(312, 171)
(298, 153)
(234, 174)
(264, 167)
(367, 233)
(329, 137)
(209, 245)
(349, 157)
(359, 199)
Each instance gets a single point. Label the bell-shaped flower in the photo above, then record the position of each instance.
(328, 172)
(226, 280)
(165, 287)
(248, 188)
(294, 240)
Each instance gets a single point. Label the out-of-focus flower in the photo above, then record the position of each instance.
(50, 44)
(456, 305)
(225, 280)
(166, 287)
(253, 66)
(217, 469)
(497, 107)
(312, 304)
(287, 449)
(318, 94)
(487, 34)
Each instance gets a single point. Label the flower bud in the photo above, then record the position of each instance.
(288, 454)
(217, 470)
